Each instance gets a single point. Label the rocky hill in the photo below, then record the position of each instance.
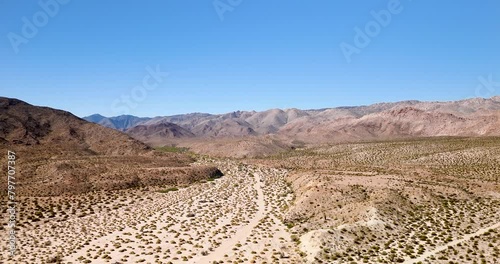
(59, 153)
(158, 131)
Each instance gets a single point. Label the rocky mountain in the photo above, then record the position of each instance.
(470, 117)
(473, 117)
(59, 153)
(22, 124)
(164, 130)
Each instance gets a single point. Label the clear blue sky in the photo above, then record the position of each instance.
(262, 55)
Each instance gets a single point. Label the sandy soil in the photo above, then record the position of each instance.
(234, 218)
(428, 254)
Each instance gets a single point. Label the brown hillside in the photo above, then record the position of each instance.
(59, 153)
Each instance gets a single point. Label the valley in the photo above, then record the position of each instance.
(348, 203)
(237, 217)
(261, 132)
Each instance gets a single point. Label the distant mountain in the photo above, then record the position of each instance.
(234, 124)
(121, 123)
(470, 117)
(158, 131)
(95, 118)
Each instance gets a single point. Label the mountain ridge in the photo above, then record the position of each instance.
(61, 153)
(409, 118)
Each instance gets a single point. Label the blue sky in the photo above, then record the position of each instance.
(90, 56)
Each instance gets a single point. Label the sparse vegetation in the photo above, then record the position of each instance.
(172, 189)
(172, 149)
(380, 202)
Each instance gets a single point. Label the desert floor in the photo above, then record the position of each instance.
(428, 201)
(235, 218)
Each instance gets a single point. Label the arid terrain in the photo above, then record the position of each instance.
(90, 194)
(292, 127)
(428, 200)
(236, 217)
(61, 153)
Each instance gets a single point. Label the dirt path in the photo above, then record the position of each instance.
(243, 232)
(453, 243)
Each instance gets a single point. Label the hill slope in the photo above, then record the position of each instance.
(159, 131)
(28, 125)
(59, 153)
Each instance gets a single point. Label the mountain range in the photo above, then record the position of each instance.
(470, 117)
(86, 156)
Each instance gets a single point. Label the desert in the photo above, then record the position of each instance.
(237, 131)
(406, 200)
